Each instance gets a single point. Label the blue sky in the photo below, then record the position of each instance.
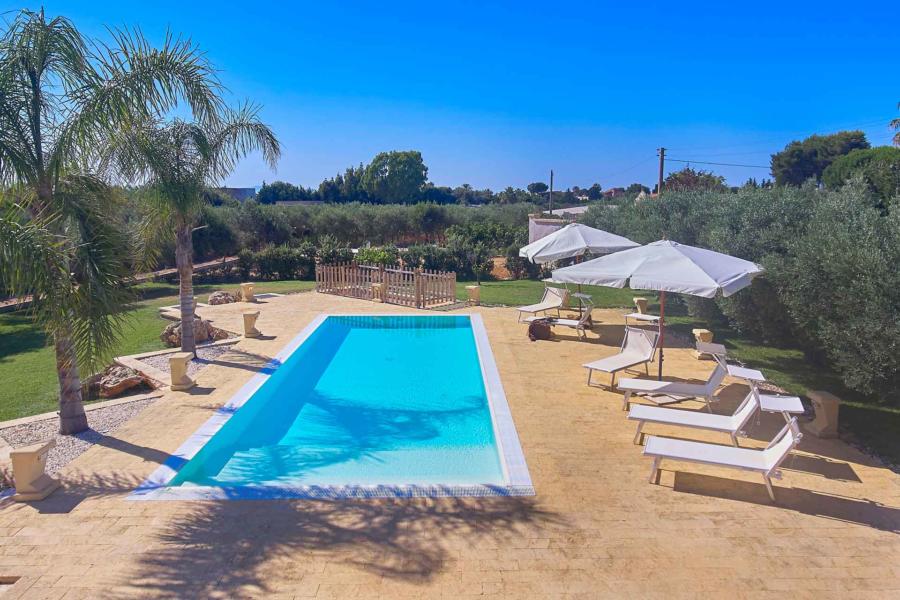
(496, 94)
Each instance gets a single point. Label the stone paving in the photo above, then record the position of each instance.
(595, 529)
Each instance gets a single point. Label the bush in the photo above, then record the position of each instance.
(429, 256)
(878, 167)
(330, 251)
(518, 267)
(387, 256)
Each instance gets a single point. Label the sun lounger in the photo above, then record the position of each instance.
(638, 348)
(667, 392)
(765, 462)
(553, 299)
(580, 325)
(730, 424)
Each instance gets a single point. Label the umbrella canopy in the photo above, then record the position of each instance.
(665, 266)
(574, 240)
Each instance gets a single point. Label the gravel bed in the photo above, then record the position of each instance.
(204, 354)
(102, 421)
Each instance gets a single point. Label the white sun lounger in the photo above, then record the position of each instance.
(730, 424)
(673, 391)
(554, 299)
(765, 462)
(638, 348)
(580, 325)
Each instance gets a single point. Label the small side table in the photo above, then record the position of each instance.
(751, 375)
(786, 405)
(583, 299)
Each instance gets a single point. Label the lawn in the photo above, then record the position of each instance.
(27, 363)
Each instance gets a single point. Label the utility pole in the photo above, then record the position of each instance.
(551, 192)
(662, 163)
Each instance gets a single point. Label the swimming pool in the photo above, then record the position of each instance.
(360, 406)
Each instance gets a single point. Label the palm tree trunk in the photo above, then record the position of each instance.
(184, 260)
(71, 410)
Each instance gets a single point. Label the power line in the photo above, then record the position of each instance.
(702, 162)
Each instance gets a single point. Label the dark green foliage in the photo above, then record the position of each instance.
(330, 251)
(518, 267)
(280, 191)
(387, 256)
(429, 256)
(215, 237)
(808, 159)
(878, 167)
(494, 237)
(395, 177)
(688, 179)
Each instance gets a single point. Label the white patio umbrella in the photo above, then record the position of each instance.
(665, 266)
(574, 239)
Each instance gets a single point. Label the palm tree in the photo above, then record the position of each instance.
(62, 97)
(177, 161)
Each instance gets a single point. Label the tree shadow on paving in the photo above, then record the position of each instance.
(232, 545)
(859, 511)
(239, 359)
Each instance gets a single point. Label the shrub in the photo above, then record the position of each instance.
(387, 256)
(878, 167)
(330, 251)
(518, 267)
(246, 263)
(429, 256)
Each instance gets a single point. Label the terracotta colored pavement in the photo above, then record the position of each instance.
(595, 529)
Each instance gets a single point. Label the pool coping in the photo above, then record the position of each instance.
(512, 459)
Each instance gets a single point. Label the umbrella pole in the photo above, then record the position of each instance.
(662, 330)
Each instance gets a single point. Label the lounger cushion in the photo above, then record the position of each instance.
(688, 418)
(616, 362)
(712, 454)
(653, 386)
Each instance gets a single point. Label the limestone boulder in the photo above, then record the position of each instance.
(221, 297)
(203, 332)
(116, 380)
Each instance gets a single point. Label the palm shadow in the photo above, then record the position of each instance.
(247, 545)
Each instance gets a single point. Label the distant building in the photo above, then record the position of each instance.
(614, 192)
(239, 194)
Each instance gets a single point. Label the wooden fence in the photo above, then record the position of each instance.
(421, 288)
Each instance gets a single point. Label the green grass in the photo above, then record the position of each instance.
(517, 293)
(27, 363)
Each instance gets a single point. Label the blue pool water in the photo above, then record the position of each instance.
(367, 400)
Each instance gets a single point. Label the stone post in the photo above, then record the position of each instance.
(827, 405)
(377, 292)
(247, 292)
(641, 305)
(28, 465)
(250, 330)
(473, 293)
(178, 365)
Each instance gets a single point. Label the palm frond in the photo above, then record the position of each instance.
(238, 133)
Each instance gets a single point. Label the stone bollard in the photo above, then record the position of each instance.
(247, 292)
(377, 292)
(473, 293)
(28, 465)
(827, 405)
(641, 305)
(702, 336)
(178, 366)
(250, 330)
